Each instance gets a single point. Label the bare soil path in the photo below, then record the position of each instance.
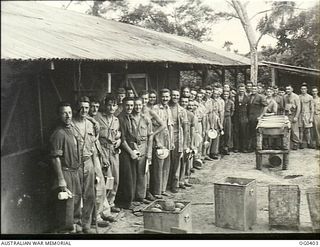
(303, 170)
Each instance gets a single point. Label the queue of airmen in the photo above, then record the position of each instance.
(127, 151)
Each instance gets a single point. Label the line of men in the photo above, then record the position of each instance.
(131, 150)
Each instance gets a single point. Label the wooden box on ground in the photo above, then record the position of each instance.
(284, 153)
(313, 197)
(284, 206)
(165, 220)
(235, 203)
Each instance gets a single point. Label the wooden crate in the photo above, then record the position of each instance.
(284, 206)
(235, 203)
(313, 197)
(166, 220)
(284, 153)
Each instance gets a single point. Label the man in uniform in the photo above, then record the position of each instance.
(209, 106)
(193, 94)
(144, 136)
(152, 98)
(109, 137)
(249, 88)
(279, 99)
(85, 134)
(185, 91)
(201, 114)
(215, 119)
(306, 116)
(64, 153)
(129, 92)
(103, 212)
(226, 88)
(128, 156)
(187, 158)
(316, 117)
(292, 107)
(227, 142)
(180, 120)
(260, 88)
(240, 120)
(157, 126)
(121, 94)
(257, 108)
(162, 140)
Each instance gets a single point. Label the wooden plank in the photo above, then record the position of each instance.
(55, 87)
(18, 153)
(40, 109)
(272, 151)
(8, 122)
(273, 76)
(109, 83)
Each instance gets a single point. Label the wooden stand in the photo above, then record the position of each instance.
(283, 133)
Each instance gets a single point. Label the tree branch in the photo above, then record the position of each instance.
(261, 12)
(68, 4)
(227, 15)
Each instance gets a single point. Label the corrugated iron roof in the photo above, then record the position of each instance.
(297, 69)
(35, 31)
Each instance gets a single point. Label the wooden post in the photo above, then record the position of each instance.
(40, 109)
(258, 161)
(236, 77)
(8, 122)
(223, 76)
(245, 76)
(109, 83)
(273, 76)
(56, 89)
(285, 161)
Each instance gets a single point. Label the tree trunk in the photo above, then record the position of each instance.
(246, 24)
(254, 65)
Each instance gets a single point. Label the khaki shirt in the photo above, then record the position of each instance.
(180, 118)
(86, 141)
(109, 129)
(209, 106)
(143, 128)
(221, 108)
(162, 139)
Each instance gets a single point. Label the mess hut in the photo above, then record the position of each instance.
(50, 54)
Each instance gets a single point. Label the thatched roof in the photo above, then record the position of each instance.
(33, 31)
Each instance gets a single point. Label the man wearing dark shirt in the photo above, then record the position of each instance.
(65, 157)
(257, 108)
(128, 156)
(240, 120)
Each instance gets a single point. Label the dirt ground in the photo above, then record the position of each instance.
(304, 163)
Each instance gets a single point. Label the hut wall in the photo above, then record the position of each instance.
(29, 96)
(25, 173)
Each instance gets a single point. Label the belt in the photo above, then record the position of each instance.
(85, 158)
(139, 142)
(70, 169)
(107, 145)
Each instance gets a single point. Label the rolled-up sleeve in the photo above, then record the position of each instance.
(56, 144)
(123, 129)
